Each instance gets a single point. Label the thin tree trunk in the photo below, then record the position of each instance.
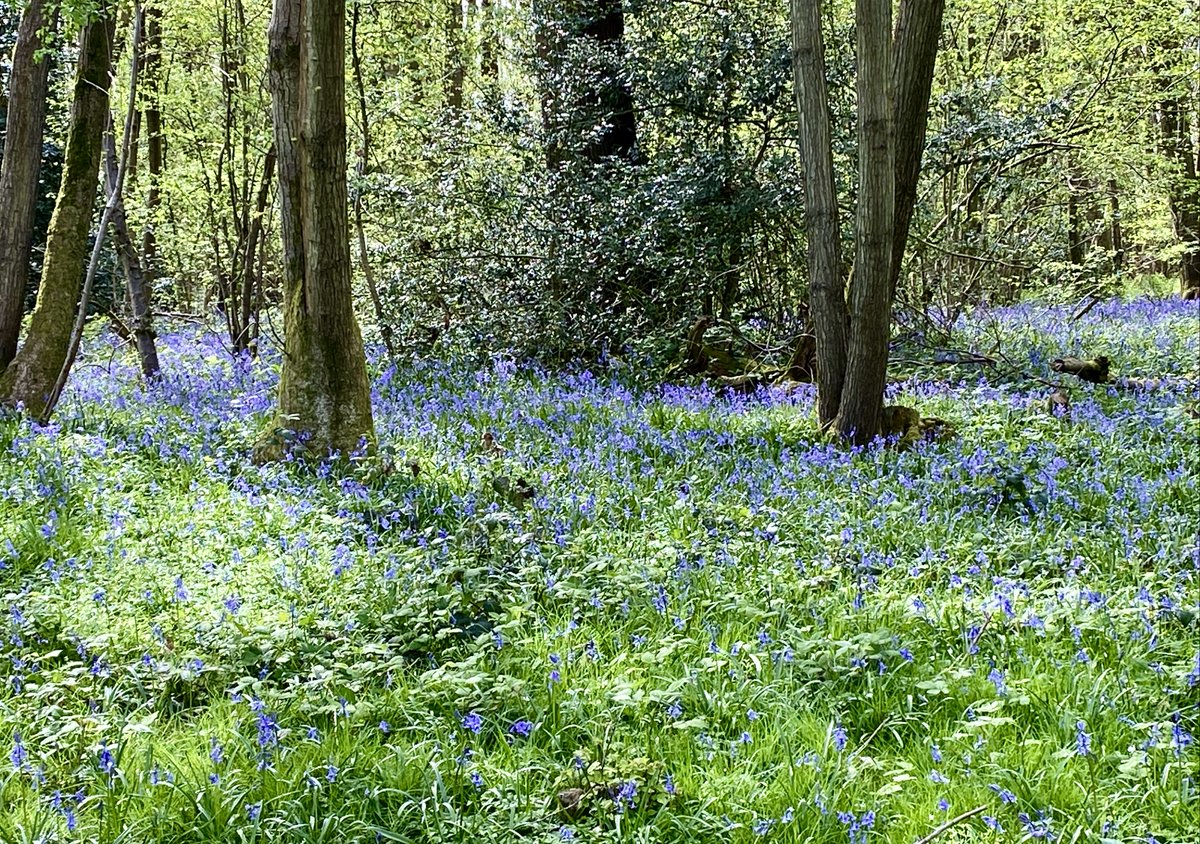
(110, 208)
(1116, 235)
(155, 143)
(324, 394)
(871, 288)
(142, 328)
(31, 376)
(828, 292)
(251, 258)
(1077, 187)
(364, 159)
(28, 85)
(1183, 189)
(914, 50)
(136, 286)
(456, 71)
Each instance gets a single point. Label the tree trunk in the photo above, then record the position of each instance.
(914, 49)
(19, 172)
(131, 266)
(894, 79)
(593, 102)
(456, 71)
(1183, 189)
(324, 394)
(828, 290)
(30, 377)
(871, 287)
(1116, 236)
(489, 51)
(364, 163)
(126, 252)
(152, 95)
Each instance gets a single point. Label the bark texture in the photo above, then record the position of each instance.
(828, 289)
(914, 48)
(895, 74)
(28, 85)
(30, 377)
(324, 394)
(136, 288)
(871, 289)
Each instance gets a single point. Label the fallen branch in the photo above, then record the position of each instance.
(1092, 302)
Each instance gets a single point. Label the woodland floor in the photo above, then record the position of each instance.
(705, 624)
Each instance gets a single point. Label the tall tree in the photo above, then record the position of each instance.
(895, 72)
(136, 287)
(29, 82)
(1182, 156)
(324, 393)
(31, 375)
(155, 143)
(828, 288)
(587, 101)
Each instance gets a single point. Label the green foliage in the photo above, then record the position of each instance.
(706, 624)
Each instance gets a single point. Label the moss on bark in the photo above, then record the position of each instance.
(30, 376)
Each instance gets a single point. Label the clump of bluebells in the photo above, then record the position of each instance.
(705, 621)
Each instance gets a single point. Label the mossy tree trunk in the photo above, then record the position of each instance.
(324, 394)
(19, 173)
(30, 377)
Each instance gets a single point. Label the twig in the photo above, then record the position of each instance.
(1093, 300)
(951, 823)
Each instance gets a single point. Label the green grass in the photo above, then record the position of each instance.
(719, 627)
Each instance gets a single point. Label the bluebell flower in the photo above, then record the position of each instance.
(1004, 794)
(1180, 738)
(105, 760)
(1083, 741)
(19, 756)
(839, 737)
(625, 795)
(471, 721)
